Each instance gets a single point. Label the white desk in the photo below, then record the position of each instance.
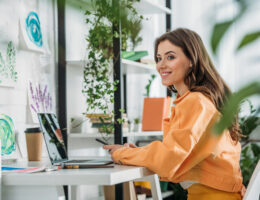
(43, 185)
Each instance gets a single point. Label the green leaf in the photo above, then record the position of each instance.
(232, 105)
(248, 39)
(219, 31)
(221, 28)
(249, 124)
(255, 149)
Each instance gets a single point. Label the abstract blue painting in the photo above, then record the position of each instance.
(33, 29)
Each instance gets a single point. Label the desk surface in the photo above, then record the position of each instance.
(97, 176)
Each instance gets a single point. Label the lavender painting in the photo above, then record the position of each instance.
(40, 100)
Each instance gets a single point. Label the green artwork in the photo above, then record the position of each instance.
(7, 135)
(7, 65)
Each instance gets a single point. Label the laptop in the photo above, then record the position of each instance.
(56, 147)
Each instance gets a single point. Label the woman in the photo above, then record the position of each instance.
(190, 154)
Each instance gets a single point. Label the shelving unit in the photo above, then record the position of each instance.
(145, 7)
(128, 66)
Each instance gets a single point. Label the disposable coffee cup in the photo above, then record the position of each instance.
(34, 143)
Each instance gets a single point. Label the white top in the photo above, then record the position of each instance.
(186, 184)
(95, 176)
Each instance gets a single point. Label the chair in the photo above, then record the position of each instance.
(253, 188)
(129, 191)
(155, 186)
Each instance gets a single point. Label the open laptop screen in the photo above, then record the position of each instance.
(53, 137)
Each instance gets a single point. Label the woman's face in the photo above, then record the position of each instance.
(172, 63)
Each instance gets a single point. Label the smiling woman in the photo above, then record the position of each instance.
(190, 154)
(191, 69)
(172, 65)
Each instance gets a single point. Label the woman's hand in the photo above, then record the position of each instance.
(114, 147)
(129, 145)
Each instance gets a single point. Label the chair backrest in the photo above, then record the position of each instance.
(253, 188)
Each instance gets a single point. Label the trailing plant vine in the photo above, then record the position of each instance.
(98, 85)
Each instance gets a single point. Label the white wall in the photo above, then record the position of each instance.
(14, 100)
(237, 68)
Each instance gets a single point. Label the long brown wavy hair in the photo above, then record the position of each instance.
(202, 76)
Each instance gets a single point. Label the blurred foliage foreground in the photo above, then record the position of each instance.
(250, 149)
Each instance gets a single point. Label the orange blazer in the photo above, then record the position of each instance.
(189, 150)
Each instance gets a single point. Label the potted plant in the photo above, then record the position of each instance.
(98, 86)
(136, 124)
(154, 110)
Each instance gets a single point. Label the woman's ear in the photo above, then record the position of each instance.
(190, 64)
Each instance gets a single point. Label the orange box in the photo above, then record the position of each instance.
(154, 111)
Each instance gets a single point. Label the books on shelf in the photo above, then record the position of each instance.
(134, 55)
(148, 61)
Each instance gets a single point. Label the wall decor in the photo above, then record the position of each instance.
(31, 31)
(40, 99)
(7, 137)
(8, 74)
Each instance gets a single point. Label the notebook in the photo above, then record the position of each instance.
(56, 147)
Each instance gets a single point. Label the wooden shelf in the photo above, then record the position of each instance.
(128, 66)
(129, 134)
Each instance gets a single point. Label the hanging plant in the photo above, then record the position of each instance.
(98, 86)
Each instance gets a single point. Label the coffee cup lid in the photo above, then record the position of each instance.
(33, 130)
